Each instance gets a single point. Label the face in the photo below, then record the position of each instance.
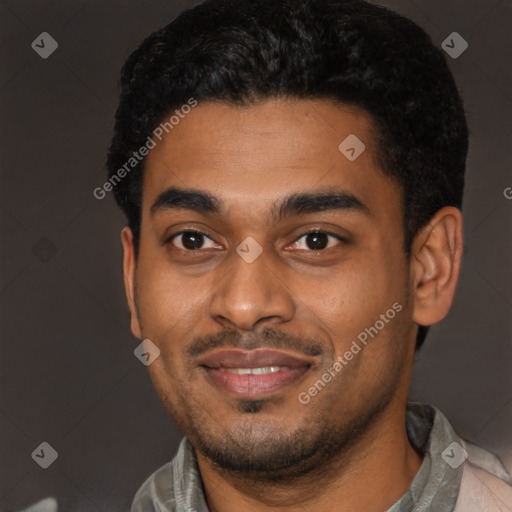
(272, 277)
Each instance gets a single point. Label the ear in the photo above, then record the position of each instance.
(436, 255)
(129, 267)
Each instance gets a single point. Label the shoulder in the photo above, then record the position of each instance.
(485, 484)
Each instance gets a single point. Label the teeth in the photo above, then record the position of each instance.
(255, 371)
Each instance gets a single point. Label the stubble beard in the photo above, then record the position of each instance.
(254, 451)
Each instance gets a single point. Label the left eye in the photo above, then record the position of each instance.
(317, 241)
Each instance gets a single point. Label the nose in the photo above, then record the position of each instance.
(252, 294)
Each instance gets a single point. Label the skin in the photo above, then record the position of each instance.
(348, 446)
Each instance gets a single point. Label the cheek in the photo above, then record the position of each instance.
(168, 302)
(353, 296)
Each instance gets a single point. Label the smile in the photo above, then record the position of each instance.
(254, 373)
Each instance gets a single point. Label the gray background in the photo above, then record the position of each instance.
(69, 376)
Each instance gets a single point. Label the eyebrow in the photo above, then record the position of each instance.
(201, 201)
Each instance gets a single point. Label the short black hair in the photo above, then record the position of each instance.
(349, 51)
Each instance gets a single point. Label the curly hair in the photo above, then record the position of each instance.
(349, 51)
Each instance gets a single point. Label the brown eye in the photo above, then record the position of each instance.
(191, 240)
(317, 241)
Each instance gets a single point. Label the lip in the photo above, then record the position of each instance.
(217, 364)
(238, 358)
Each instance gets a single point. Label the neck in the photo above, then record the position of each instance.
(372, 475)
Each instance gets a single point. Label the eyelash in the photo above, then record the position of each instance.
(313, 231)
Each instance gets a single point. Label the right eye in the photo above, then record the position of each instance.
(190, 240)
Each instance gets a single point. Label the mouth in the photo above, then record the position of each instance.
(254, 373)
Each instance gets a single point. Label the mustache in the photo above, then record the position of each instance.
(267, 338)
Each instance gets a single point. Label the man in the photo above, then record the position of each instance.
(292, 175)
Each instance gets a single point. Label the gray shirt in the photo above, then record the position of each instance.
(177, 486)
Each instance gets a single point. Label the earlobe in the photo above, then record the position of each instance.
(129, 267)
(435, 263)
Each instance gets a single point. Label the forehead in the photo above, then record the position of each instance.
(254, 155)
